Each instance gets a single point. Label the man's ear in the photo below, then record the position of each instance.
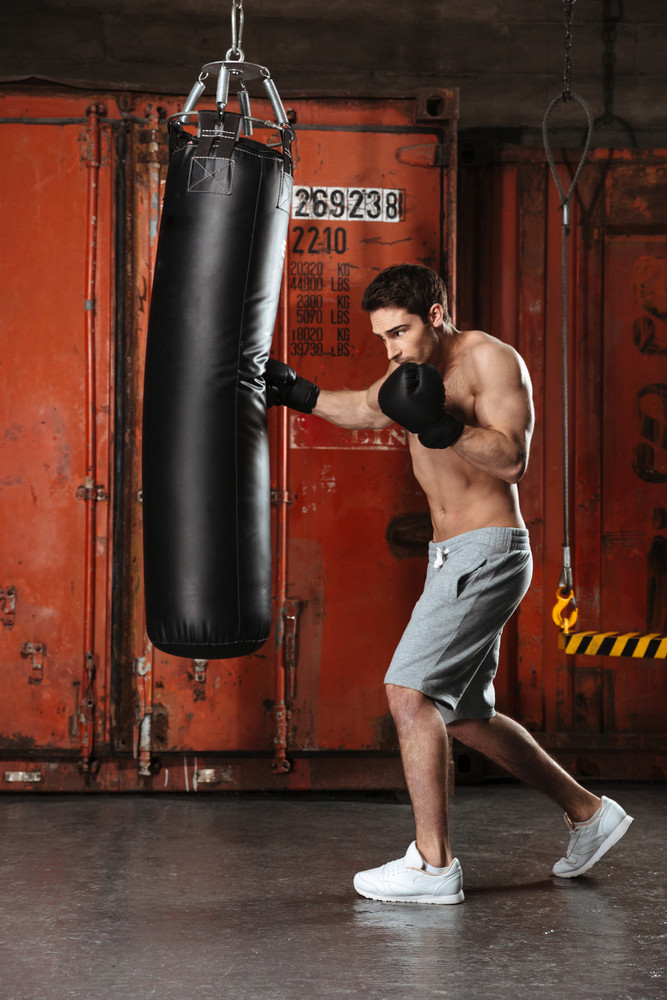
(435, 314)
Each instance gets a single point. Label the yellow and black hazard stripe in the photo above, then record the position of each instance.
(647, 645)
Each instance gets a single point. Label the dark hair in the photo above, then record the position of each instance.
(407, 286)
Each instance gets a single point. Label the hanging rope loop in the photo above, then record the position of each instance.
(566, 97)
(566, 198)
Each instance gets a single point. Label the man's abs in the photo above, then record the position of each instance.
(462, 498)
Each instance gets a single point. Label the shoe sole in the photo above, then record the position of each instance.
(458, 898)
(612, 839)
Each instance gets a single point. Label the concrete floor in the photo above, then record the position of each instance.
(211, 897)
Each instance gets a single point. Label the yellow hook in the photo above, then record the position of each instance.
(563, 599)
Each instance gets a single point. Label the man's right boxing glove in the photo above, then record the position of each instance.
(414, 397)
(284, 386)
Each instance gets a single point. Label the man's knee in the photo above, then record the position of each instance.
(404, 703)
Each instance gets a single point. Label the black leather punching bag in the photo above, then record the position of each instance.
(206, 484)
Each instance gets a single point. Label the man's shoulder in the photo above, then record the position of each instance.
(482, 347)
(478, 338)
(491, 362)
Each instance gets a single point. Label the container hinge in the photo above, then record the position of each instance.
(87, 716)
(199, 671)
(34, 651)
(291, 612)
(283, 496)
(74, 719)
(97, 493)
(8, 606)
(89, 152)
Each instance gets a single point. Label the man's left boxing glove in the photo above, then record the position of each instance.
(414, 397)
(283, 385)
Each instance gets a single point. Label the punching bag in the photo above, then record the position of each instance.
(206, 483)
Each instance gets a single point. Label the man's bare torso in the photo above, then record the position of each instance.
(461, 497)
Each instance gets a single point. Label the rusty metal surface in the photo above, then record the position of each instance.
(47, 489)
(599, 714)
(355, 521)
(375, 182)
(317, 683)
(89, 701)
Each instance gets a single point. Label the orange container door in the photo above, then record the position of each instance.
(372, 190)
(57, 363)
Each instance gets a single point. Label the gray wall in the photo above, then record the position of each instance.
(506, 56)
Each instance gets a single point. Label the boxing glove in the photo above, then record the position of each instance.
(284, 386)
(414, 397)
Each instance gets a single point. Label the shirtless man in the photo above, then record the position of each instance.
(465, 400)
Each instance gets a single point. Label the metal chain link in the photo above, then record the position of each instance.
(612, 14)
(609, 33)
(567, 67)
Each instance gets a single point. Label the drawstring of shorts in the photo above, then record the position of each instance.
(440, 557)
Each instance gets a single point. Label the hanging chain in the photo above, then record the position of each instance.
(609, 33)
(567, 66)
(612, 13)
(236, 52)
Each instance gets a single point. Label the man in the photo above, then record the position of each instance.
(465, 400)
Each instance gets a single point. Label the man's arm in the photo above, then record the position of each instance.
(352, 409)
(414, 396)
(504, 413)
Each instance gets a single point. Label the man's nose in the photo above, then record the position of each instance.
(393, 350)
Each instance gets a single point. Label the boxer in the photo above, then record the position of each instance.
(465, 400)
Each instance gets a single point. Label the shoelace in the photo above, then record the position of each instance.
(394, 867)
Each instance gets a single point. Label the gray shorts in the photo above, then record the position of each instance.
(449, 650)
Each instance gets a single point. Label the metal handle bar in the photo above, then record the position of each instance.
(183, 118)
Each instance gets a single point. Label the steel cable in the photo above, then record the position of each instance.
(567, 95)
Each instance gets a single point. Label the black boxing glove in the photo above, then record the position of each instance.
(284, 386)
(414, 397)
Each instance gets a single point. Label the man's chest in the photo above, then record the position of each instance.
(459, 395)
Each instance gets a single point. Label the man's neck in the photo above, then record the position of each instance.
(447, 338)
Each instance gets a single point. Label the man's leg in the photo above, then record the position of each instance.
(507, 743)
(424, 750)
(423, 741)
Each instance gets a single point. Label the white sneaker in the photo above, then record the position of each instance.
(589, 841)
(406, 881)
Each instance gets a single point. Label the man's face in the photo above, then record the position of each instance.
(405, 336)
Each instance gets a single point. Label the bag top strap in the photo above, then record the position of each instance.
(218, 136)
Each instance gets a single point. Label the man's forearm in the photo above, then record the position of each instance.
(493, 452)
(350, 409)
